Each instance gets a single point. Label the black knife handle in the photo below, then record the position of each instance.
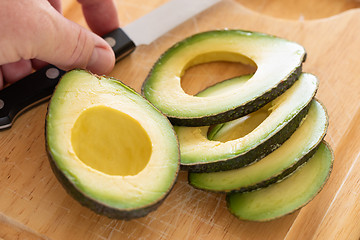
(39, 85)
(121, 44)
(26, 92)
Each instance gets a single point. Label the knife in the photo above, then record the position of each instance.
(38, 86)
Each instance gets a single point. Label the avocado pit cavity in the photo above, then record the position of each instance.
(111, 141)
(217, 66)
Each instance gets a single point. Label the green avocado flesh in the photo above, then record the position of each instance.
(275, 166)
(278, 63)
(286, 196)
(109, 147)
(274, 123)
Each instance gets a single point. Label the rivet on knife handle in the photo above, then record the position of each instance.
(121, 44)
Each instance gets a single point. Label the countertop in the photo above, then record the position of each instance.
(33, 205)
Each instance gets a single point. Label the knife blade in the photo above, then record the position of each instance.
(38, 86)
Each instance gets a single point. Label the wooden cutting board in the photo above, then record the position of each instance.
(33, 205)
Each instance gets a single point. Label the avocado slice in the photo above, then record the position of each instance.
(282, 116)
(277, 165)
(286, 196)
(109, 147)
(278, 63)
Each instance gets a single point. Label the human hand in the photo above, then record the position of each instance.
(34, 33)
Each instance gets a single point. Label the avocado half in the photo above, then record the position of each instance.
(109, 147)
(278, 63)
(265, 130)
(298, 149)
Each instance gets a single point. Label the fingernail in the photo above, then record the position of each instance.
(102, 61)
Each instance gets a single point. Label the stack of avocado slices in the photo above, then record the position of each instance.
(258, 138)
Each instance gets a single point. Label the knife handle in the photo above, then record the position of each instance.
(26, 92)
(120, 43)
(39, 86)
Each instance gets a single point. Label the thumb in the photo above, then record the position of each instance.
(68, 45)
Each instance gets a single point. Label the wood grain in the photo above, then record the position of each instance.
(300, 10)
(33, 205)
(10, 229)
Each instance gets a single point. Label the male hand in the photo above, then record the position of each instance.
(34, 33)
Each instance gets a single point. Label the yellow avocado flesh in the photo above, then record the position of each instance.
(110, 141)
(244, 125)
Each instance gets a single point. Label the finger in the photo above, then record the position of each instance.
(68, 45)
(76, 47)
(13, 72)
(50, 37)
(101, 15)
(37, 64)
(56, 4)
(1, 80)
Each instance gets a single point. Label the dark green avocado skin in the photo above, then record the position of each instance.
(243, 110)
(254, 154)
(98, 207)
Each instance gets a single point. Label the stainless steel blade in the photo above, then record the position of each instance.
(166, 17)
